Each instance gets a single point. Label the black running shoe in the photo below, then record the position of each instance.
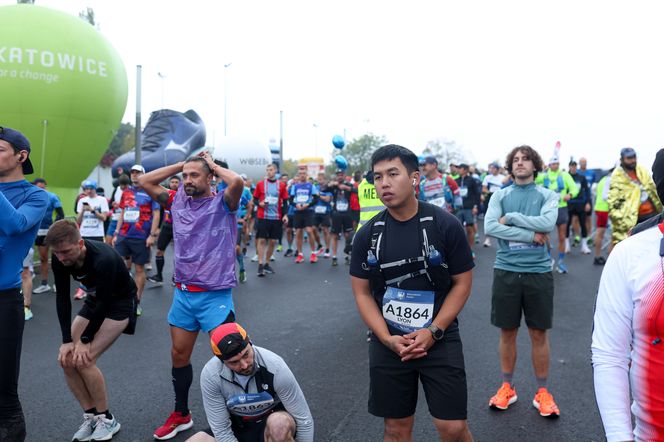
(169, 137)
(268, 270)
(288, 253)
(261, 270)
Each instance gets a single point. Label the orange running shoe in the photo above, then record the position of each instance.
(545, 404)
(505, 396)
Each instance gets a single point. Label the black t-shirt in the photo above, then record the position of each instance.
(341, 197)
(474, 189)
(401, 239)
(105, 276)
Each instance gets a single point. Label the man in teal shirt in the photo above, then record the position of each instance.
(521, 217)
(563, 184)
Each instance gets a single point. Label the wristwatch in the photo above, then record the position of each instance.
(85, 339)
(436, 332)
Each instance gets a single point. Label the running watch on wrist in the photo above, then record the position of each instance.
(436, 332)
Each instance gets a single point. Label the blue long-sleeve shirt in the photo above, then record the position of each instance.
(22, 208)
(527, 210)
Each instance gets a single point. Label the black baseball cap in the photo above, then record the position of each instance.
(627, 152)
(430, 160)
(463, 166)
(20, 142)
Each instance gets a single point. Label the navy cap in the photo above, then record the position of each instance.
(20, 142)
(627, 152)
(463, 166)
(430, 160)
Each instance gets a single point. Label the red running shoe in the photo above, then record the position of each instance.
(174, 424)
(299, 259)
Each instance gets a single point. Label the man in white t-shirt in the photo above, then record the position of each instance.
(493, 182)
(92, 210)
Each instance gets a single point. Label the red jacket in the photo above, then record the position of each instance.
(259, 194)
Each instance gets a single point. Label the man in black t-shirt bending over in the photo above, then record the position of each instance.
(108, 310)
(411, 273)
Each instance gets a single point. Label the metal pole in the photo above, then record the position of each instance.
(137, 138)
(281, 139)
(225, 75)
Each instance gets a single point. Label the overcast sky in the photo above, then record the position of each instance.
(490, 75)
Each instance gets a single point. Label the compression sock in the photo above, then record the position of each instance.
(561, 256)
(159, 260)
(182, 379)
(507, 377)
(541, 382)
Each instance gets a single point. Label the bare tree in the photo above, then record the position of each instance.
(447, 151)
(88, 15)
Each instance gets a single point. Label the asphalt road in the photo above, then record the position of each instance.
(306, 314)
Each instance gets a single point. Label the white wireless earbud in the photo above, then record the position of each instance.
(414, 181)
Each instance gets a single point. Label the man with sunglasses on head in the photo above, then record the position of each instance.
(22, 207)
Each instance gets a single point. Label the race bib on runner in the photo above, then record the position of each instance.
(342, 206)
(131, 215)
(321, 210)
(515, 245)
(463, 191)
(115, 216)
(302, 198)
(440, 202)
(90, 221)
(271, 199)
(42, 232)
(251, 405)
(408, 310)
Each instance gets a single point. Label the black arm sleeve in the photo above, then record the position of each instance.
(256, 202)
(59, 214)
(284, 207)
(314, 200)
(62, 298)
(586, 189)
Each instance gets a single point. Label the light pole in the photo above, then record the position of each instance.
(315, 139)
(163, 78)
(226, 66)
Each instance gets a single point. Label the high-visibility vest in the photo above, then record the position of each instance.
(370, 204)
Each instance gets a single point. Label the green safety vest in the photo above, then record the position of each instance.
(370, 204)
(600, 204)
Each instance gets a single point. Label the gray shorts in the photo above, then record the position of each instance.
(563, 216)
(28, 261)
(466, 217)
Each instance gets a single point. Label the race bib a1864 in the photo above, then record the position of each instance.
(408, 310)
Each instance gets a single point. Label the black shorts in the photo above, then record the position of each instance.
(342, 222)
(254, 432)
(39, 241)
(303, 218)
(268, 228)
(118, 310)
(355, 216)
(322, 220)
(165, 236)
(133, 248)
(514, 292)
(394, 384)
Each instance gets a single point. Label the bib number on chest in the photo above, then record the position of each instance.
(440, 202)
(408, 310)
(463, 192)
(515, 245)
(302, 198)
(342, 206)
(42, 232)
(271, 199)
(131, 216)
(90, 221)
(321, 210)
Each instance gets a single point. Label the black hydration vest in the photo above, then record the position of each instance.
(432, 258)
(264, 383)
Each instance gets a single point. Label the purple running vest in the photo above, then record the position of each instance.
(204, 233)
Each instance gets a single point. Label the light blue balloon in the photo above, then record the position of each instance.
(338, 141)
(341, 162)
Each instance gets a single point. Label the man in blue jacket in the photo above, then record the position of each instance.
(22, 207)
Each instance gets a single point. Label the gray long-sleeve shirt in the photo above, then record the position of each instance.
(220, 387)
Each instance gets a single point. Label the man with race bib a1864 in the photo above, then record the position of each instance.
(411, 273)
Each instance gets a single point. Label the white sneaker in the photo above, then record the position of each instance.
(272, 258)
(584, 249)
(487, 242)
(86, 429)
(104, 428)
(254, 259)
(43, 288)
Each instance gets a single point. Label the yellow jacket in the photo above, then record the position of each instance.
(625, 200)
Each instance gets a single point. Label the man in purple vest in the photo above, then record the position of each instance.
(204, 233)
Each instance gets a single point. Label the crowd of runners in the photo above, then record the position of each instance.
(407, 230)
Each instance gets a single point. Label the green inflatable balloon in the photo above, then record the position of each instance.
(64, 86)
